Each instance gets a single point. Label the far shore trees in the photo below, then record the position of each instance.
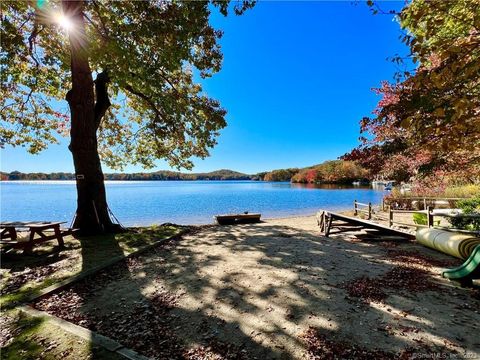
(127, 71)
(280, 175)
(157, 175)
(328, 172)
(331, 172)
(428, 123)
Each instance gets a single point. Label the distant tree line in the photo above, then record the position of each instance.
(280, 175)
(158, 175)
(329, 172)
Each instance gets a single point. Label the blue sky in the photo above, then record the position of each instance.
(296, 80)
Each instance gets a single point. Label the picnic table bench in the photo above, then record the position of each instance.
(9, 233)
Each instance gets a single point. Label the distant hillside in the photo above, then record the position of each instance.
(158, 175)
(336, 171)
(172, 175)
(280, 175)
(331, 172)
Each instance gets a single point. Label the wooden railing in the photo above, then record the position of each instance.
(425, 200)
(360, 207)
(430, 219)
(368, 210)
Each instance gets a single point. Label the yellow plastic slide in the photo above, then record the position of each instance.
(451, 243)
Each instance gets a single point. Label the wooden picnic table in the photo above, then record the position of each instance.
(9, 233)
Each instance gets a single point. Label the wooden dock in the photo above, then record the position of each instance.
(328, 220)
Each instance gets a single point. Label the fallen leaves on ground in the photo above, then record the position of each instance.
(365, 288)
(321, 347)
(398, 278)
(217, 350)
(413, 259)
(16, 279)
(7, 329)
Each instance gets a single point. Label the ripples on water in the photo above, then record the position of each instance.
(183, 202)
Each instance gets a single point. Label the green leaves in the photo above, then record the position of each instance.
(434, 111)
(28, 90)
(149, 49)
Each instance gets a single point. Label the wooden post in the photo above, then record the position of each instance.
(320, 221)
(390, 216)
(355, 212)
(424, 204)
(328, 221)
(28, 249)
(369, 211)
(59, 236)
(429, 217)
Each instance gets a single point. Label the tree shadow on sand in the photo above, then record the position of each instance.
(251, 291)
(123, 303)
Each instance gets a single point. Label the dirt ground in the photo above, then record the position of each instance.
(279, 290)
(23, 276)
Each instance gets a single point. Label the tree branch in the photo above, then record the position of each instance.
(158, 112)
(102, 101)
(31, 43)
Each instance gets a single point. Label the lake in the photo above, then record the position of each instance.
(181, 202)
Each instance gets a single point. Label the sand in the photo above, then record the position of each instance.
(262, 286)
(276, 279)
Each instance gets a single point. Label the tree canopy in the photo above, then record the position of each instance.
(280, 175)
(429, 120)
(331, 172)
(127, 70)
(148, 53)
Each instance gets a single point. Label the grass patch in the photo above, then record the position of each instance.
(465, 191)
(24, 276)
(456, 191)
(26, 337)
(421, 219)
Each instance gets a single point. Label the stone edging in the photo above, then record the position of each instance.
(86, 334)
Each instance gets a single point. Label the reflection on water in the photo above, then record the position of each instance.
(185, 202)
(331, 186)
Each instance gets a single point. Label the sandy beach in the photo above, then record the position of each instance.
(279, 290)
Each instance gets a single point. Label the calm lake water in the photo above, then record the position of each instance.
(182, 202)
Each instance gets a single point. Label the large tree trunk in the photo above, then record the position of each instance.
(92, 215)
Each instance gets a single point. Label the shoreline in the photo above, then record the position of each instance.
(266, 219)
(146, 203)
